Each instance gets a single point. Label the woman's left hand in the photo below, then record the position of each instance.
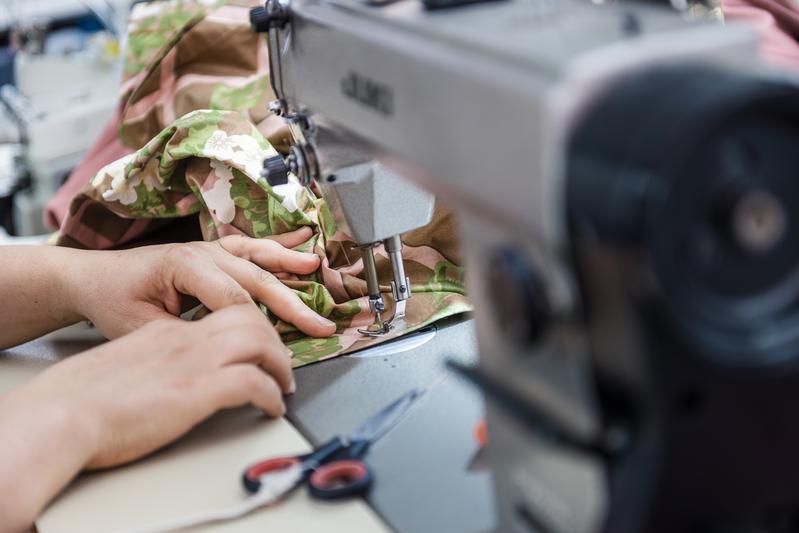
(121, 291)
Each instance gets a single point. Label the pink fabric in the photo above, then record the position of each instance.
(777, 24)
(106, 149)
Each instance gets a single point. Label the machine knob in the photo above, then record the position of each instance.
(701, 199)
(519, 296)
(276, 171)
(271, 15)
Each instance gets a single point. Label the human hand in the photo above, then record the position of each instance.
(143, 390)
(128, 397)
(121, 291)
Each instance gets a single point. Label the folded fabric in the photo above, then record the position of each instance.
(194, 105)
(185, 55)
(182, 55)
(208, 164)
(776, 23)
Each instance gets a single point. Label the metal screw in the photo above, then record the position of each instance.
(277, 107)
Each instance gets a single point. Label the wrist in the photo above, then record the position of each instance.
(53, 415)
(38, 288)
(73, 281)
(44, 439)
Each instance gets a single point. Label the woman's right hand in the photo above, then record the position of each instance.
(150, 387)
(127, 398)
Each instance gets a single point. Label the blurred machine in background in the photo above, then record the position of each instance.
(625, 182)
(60, 67)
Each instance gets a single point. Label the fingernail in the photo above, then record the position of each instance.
(293, 386)
(324, 322)
(289, 353)
(282, 409)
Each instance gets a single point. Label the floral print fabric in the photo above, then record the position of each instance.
(206, 164)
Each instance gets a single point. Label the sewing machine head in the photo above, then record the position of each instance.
(629, 219)
(371, 203)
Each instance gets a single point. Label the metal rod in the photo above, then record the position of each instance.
(400, 284)
(372, 284)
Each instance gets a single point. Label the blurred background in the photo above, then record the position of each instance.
(60, 68)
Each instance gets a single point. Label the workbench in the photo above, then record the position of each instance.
(429, 477)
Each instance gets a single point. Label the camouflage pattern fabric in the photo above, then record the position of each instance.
(208, 163)
(185, 55)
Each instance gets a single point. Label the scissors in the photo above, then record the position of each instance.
(335, 469)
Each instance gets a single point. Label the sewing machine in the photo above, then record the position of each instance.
(370, 202)
(623, 182)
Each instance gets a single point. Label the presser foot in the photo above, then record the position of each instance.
(383, 327)
(378, 329)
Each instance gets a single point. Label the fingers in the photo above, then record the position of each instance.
(149, 314)
(271, 254)
(147, 388)
(196, 274)
(238, 316)
(270, 356)
(237, 269)
(240, 384)
(280, 300)
(294, 238)
(236, 337)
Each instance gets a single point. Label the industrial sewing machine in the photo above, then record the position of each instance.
(624, 180)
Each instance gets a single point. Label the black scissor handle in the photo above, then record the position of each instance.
(340, 479)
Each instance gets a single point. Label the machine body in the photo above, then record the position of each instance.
(373, 204)
(626, 228)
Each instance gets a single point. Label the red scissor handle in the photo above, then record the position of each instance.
(340, 479)
(252, 476)
(335, 479)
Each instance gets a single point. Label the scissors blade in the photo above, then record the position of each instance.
(380, 423)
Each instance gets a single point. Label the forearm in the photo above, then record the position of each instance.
(44, 447)
(35, 292)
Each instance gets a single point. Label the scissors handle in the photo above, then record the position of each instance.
(340, 479)
(334, 469)
(251, 479)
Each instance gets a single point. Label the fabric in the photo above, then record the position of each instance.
(194, 104)
(208, 163)
(776, 23)
(106, 149)
(182, 55)
(186, 55)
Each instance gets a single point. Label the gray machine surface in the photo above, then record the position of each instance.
(428, 475)
(625, 245)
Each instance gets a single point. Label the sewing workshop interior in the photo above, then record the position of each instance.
(412, 266)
